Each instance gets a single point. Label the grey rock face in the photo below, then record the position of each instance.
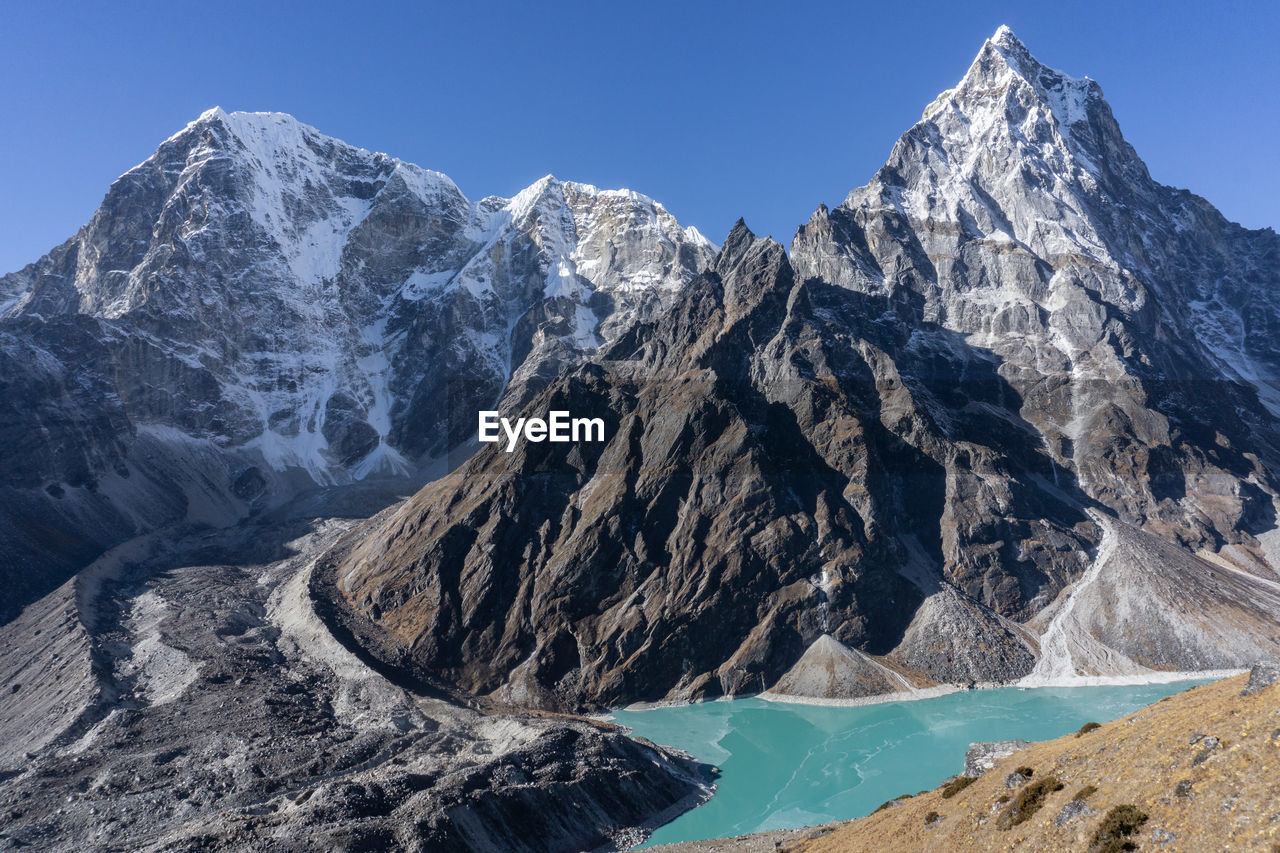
(183, 694)
(1016, 216)
(981, 757)
(1016, 779)
(959, 641)
(295, 311)
(1073, 810)
(967, 427)
(1131, 610)
(1263, 674)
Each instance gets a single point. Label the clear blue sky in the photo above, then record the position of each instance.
(718, 110)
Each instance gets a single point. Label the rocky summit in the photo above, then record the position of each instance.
(259, 308)
(1008, 412)
(263, 336)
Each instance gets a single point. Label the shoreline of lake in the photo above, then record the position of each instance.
(784, 765)
(1133, 680)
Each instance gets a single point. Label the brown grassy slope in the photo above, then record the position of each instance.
(1232, 802)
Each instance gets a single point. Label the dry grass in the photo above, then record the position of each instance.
(1230, 799)
(1028, 801)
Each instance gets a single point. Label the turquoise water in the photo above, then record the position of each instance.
(784, 766)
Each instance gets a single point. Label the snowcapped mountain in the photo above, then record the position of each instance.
(258, 306)
(1005, 413)
(1127, 315)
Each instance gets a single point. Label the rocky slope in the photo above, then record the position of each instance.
(1127, 317)
(182, 693)
(981, 400)
(1200, 767)
(259, 307)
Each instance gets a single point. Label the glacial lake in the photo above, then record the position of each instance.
(787, 765)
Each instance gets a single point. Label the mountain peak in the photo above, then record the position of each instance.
(1007, 85)
(1004, 50)
(743, 247)
(1017, 153)
(274, 130)
(1005, 39)
(739, 239)
(209, 116)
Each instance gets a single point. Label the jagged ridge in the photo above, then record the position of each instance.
(966, 378)
(259, 307)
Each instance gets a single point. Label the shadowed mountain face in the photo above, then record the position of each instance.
(259, 308)
(760, 487)
(965, 429)
(1135, 322)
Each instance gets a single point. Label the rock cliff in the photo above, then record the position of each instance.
(1007, 412)
(259, 308)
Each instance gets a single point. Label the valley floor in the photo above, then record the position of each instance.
(183, 694)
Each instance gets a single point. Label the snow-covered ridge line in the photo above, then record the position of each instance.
(317, 297)
(1068, 95)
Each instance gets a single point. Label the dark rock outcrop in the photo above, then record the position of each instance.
(952, 430)
(755, 492)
